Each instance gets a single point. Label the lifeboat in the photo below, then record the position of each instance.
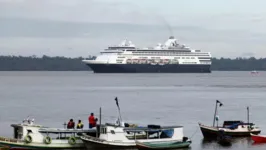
(149, 61)
(254, 72)
(143, 61)
(166, 61)
(135, 61)
(129, 61)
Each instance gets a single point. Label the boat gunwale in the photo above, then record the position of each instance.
(27, 125)
(38, 145)
(264, 136)
(227, 129)
(55, 130)
(151, 146)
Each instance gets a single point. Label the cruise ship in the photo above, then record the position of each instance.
(170, 57)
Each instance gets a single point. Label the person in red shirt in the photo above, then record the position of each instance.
(92, 122)
(71, 124)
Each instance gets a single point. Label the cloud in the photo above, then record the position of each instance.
(73, 11)
(31, 36)
(224, 28)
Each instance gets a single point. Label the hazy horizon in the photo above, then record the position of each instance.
(85, 27)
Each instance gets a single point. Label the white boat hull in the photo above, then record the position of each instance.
(95, 143)
(56, 144)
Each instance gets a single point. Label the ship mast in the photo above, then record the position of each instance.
(215, 112)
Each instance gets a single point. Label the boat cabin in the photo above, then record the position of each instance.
(26, 128)
(236, 123)
(112, 132)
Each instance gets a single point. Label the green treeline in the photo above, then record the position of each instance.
(46, 63)
(238, 64)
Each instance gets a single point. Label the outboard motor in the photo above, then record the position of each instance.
(185, 139)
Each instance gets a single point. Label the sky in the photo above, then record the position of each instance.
(73, 28)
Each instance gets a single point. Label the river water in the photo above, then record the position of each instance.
(52, 98)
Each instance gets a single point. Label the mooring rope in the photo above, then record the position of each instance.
(194, 133)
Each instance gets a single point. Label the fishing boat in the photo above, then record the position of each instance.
(122, 135)
(254, 72)
(28, 135)
(258, 138)
(234, 128)
(114, 136)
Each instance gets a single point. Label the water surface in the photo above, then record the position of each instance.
(52, 98)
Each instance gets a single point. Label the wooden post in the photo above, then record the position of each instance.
(215, 114)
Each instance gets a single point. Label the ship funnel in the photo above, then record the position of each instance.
(171, 37)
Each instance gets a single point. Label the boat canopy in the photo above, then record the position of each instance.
(234, 124)
(231, 122)
(137, 129)
(26, 125)
(148, 128)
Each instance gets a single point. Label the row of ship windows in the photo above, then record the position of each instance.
(189, 62)
(205, 62)
(185, 58)
(174, 57)
(167, 53)
(173, 54)
(159, 58)
(120, 62)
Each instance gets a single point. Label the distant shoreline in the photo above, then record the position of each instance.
(58, 63)
(90, 71)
